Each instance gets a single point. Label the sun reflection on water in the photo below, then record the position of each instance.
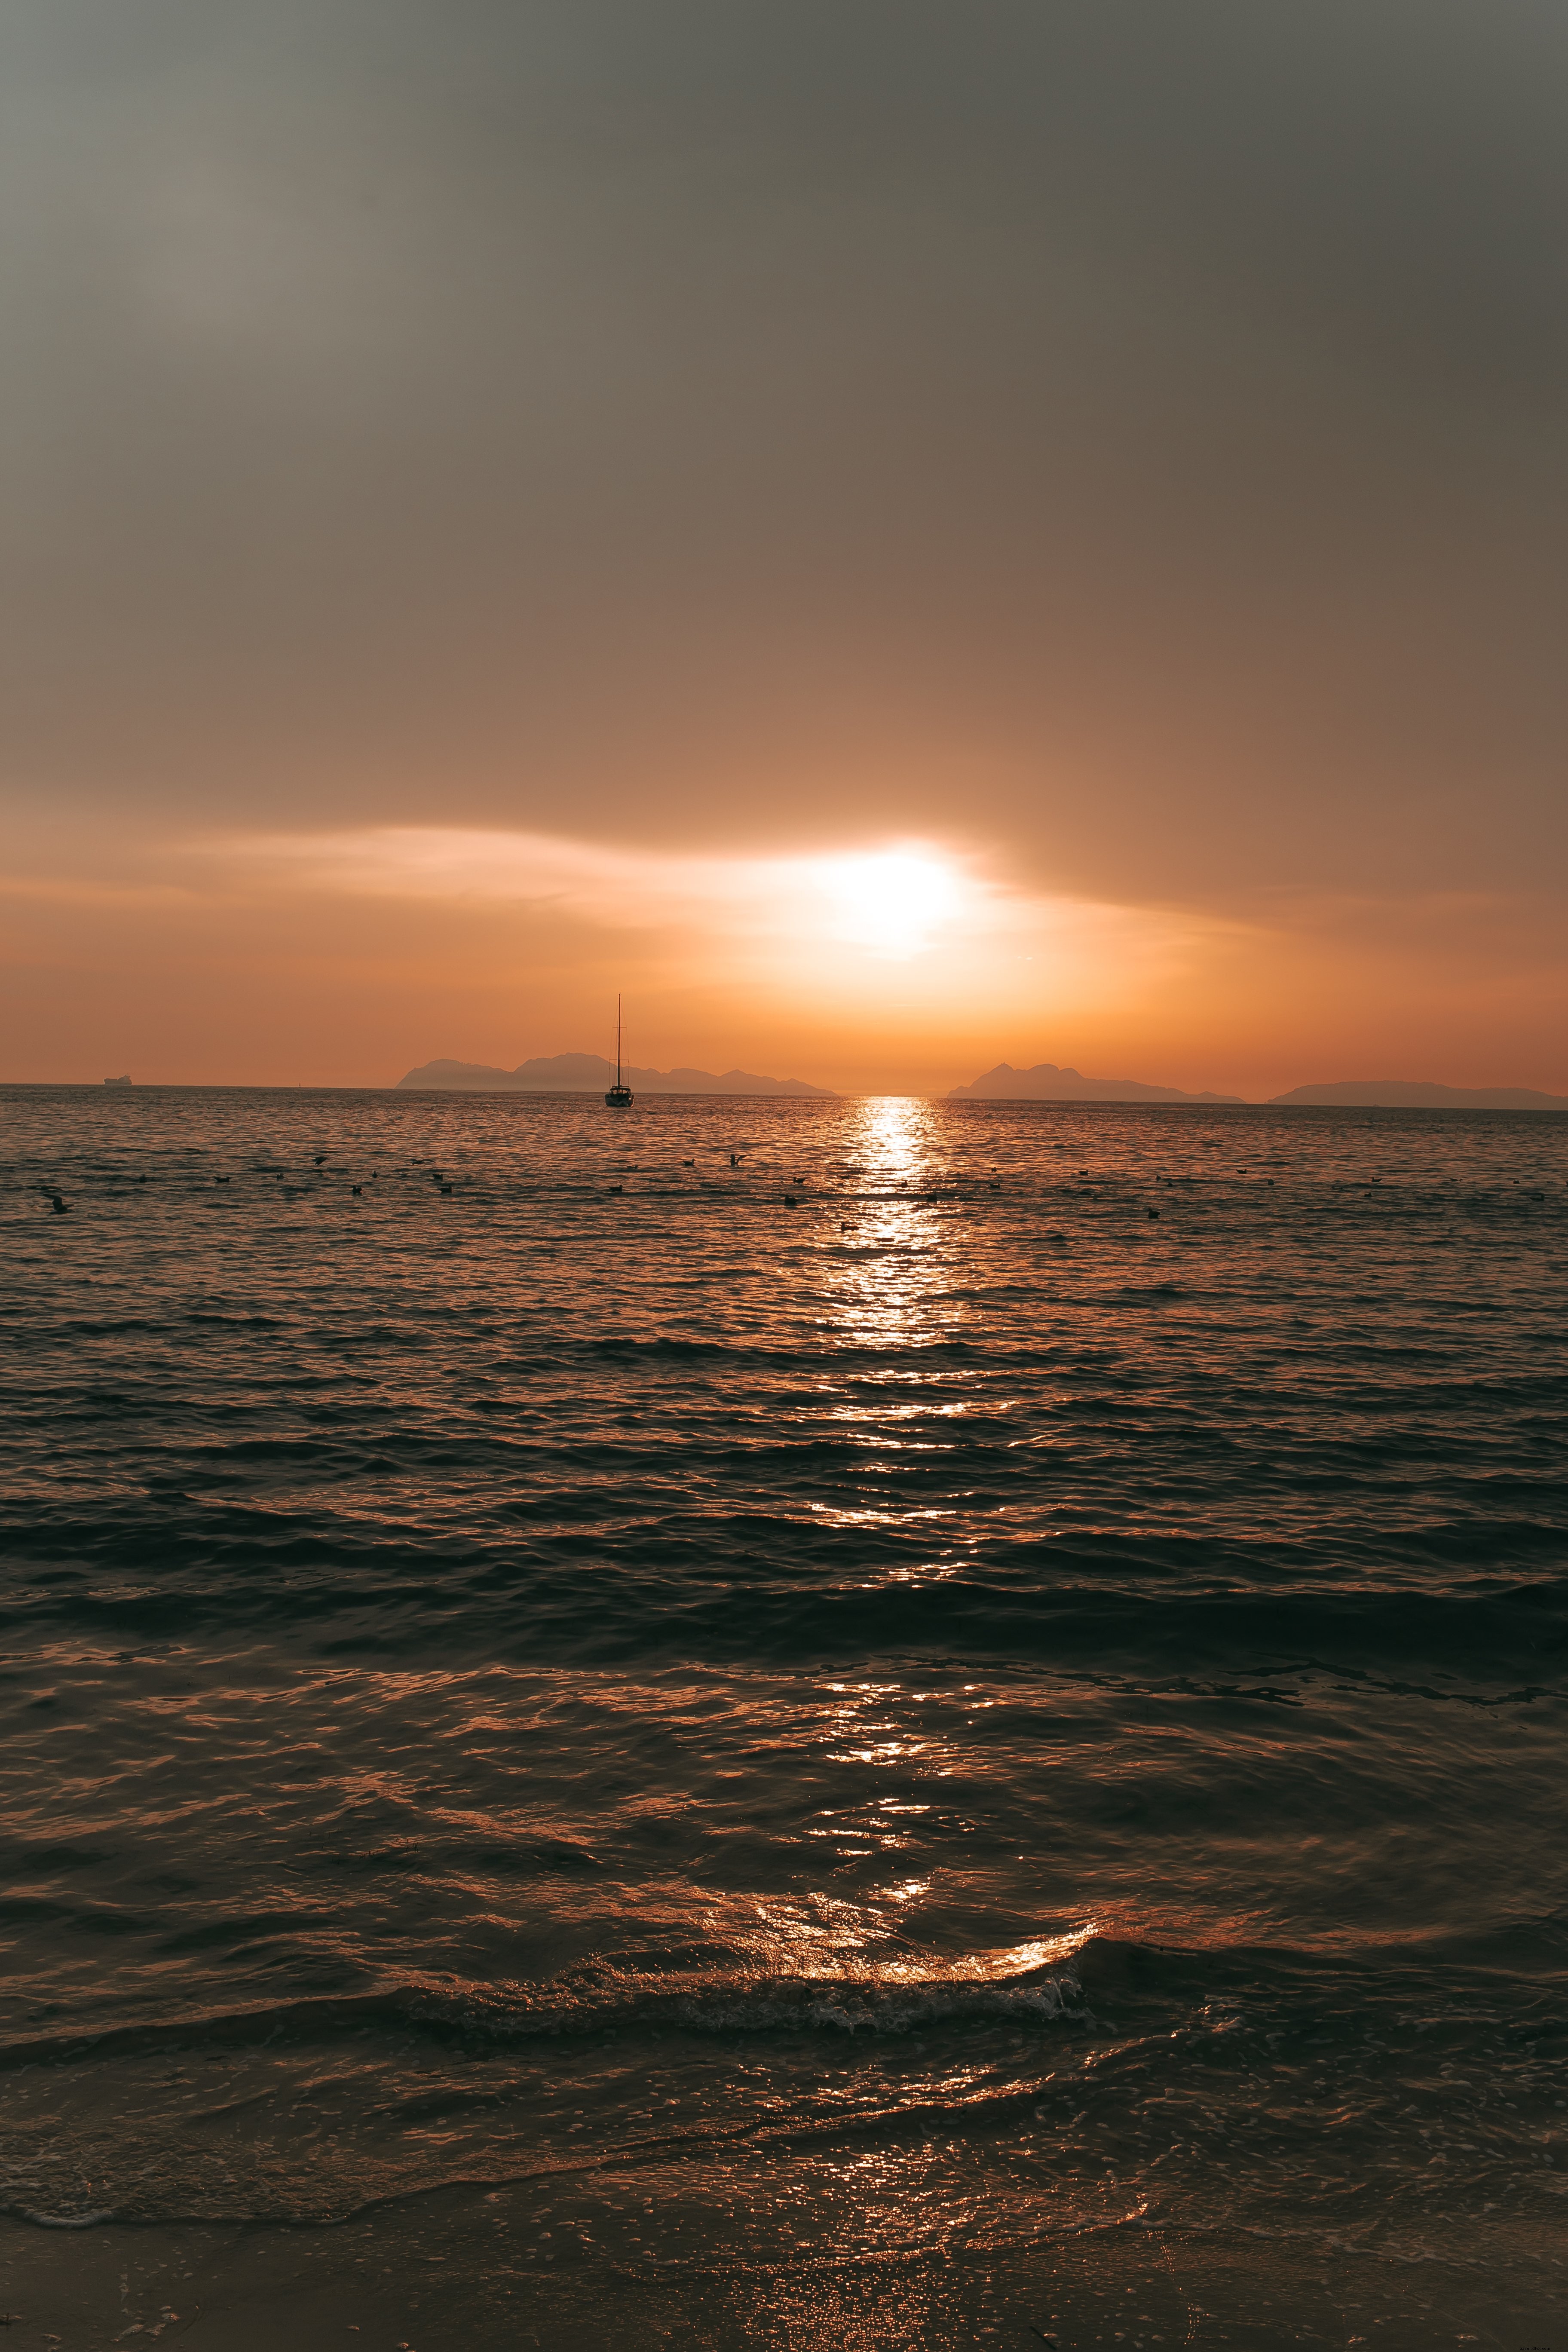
(889, 1277)
(896, 1291)
(824, 1939)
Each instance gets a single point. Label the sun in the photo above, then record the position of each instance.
(892, 901)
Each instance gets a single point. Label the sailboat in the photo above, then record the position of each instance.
(620, 1096)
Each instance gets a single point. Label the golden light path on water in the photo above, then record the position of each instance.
(892, 1290)
(893, 1294)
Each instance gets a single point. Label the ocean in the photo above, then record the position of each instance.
(810, 1724)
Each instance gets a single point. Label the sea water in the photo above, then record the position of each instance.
(809, 1723)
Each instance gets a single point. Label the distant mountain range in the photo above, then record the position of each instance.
(591, 1074)
(1417, 1094)
(580, 1074)
(1045, 1083)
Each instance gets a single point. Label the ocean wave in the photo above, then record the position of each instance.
(592, 2001)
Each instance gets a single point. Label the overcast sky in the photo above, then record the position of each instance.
(1116, 448)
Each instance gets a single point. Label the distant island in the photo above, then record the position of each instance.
(579, 1074)
(1417, 1094)
(1045, 1083)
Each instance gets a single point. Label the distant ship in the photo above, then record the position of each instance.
(117, 1082)
(620, 1096)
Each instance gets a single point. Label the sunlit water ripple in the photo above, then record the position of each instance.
(984, 1676)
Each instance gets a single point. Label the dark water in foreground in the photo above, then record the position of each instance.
(646, 1765)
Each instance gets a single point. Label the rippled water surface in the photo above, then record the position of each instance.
(808, 1723)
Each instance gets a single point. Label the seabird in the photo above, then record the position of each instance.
(59, 1206)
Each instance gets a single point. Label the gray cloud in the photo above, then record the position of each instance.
(1132, 432)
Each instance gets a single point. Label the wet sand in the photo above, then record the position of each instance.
(440, 2278)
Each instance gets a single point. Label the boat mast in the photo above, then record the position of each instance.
(619, 1096)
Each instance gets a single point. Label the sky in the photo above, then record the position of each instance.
(899, 536)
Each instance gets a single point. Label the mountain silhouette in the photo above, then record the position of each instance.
(1421, 1094)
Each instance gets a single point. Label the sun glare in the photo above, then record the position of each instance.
(910, 924)
(892, 902)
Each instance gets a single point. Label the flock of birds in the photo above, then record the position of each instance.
(59, 1205)
(321, 1160)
